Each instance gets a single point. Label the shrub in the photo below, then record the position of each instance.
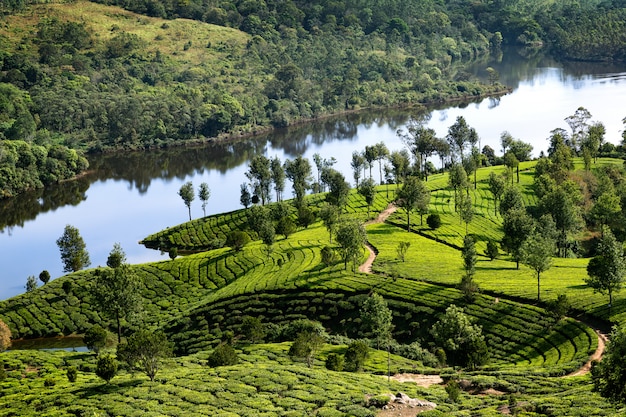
(355, 356)
(492, 250)
(223, 355)
(237, 240)
(173, 253)
(294, 328)
(253, 329)
(49, 382)
(453, 390)
(44, 276)
(67, 287)
(334, 362)
(378, 401)
(433, 221)
(329, 256)
(106, 368)
(285, 226)
(72, 374)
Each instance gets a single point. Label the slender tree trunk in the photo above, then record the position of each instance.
(408, 221)
(119, 327)
(518, 174)
(538, 282)
(189, 207)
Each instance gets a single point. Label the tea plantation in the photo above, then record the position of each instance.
(201, 298)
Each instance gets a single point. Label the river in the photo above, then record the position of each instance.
(127, 197)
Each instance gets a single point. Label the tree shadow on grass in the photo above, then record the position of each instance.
(104, 388)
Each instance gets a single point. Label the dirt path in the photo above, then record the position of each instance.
(382, 216)
(586, 368)
(425, 380)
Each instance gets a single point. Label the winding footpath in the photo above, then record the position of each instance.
(366, 268)
(382, 216)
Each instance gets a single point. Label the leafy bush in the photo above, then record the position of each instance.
(106, 367)
(223, 355)
(433, 221)
(237, 240)
(72, 374)
(293, 329)
(334, 362)
(355, 356)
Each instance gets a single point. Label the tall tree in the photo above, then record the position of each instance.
(278, 177)
(368, 190)
(496, 186)
(606, 270)
(609, 374)
(330, 216)
(370, 154)
(338, 187)
(517, 226)
(116, 290)
(351, 237)
(421, 141)
(357, 163)
(511, 200)
(204, 193)
(466, 210)
(460, 135)
(260, 176)
(145, 350)
(536, 253)
(400, 162)
(462, 341)
(565, 212)
(377, 319)
(506, 139)
(511, 162)
(470, 257)
(414, 195)
(606, 207)
(299, 173)
(73, 250)
(578, 122)
(305, 346)
(381, 153)
(187, 194)
(457, 179)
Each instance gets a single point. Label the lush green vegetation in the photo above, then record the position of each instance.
(82, 76)
(200, 298)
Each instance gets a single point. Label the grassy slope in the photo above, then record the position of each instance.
(518, 335)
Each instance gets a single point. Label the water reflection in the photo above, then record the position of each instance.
(16, 211)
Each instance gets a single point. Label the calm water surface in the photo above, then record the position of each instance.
(128, 197)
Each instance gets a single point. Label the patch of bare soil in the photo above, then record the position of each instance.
(424, 381)
(401, 405)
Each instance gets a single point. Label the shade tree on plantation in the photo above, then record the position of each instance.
(187, 193)
(73, 250)
(606, 270)
(145, 350)
(204, 193)
(115, 290)
(413, 196)
(536, 253)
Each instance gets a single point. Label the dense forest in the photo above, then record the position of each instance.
(93, 77)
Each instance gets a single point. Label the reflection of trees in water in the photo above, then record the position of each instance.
(139, 169)
(17, 211)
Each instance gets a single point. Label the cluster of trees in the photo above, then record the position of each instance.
(28, 165)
